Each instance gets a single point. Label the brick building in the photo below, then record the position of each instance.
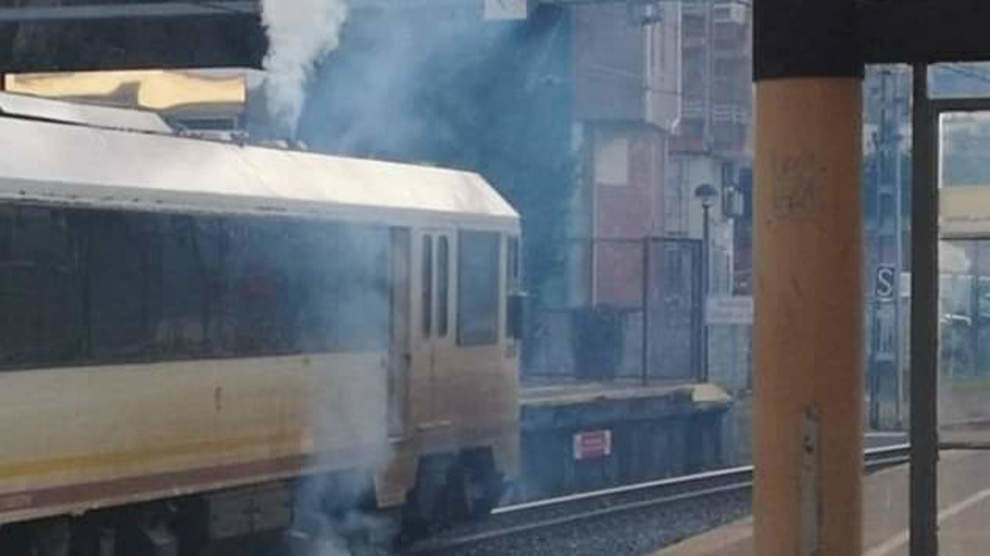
(626, 80)
(712, 142)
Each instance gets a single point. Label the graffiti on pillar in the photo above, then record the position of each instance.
(797, 179)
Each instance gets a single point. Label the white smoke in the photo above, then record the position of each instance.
(300, 32)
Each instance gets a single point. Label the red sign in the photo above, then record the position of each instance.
(592, 444)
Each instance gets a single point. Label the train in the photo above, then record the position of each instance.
(203, 341)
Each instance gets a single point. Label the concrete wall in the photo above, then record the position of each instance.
(651, 437)
(730, 357)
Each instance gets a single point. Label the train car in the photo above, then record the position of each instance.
(203, 341)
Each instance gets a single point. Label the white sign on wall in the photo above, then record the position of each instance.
(729, 310)
(506, 9)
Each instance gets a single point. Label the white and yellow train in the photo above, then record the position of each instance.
(219, 338)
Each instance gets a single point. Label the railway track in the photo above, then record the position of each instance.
(526, 518)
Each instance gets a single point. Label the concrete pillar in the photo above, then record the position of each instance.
(808, 336)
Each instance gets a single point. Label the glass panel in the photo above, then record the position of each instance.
(40, 293)
(965, 149)
(886, 212)
(125, 286)
(478, 295)
(426, 306)
(959, 79)
(513, 282)
(964, 327)
(443, 281)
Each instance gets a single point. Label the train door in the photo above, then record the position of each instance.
(399, 344)
(432, 323)
(470, 358)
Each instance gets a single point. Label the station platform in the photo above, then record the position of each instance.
(964, 512)
(556, 394)
(579, 436)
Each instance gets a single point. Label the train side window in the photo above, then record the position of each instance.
(84, 287)
(478, 295)
(118, 313)
(427, 304)
(443, 285)
(40, 320)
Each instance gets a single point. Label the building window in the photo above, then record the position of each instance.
(612, 161)
(477, 300)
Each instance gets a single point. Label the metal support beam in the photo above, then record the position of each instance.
(930, 31)
(808, 341)
(924, 323)
(85, 12)
(886, 32)
(204, 8)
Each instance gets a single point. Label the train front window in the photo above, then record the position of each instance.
(478, 277)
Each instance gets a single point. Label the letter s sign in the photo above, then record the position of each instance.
(884, 288)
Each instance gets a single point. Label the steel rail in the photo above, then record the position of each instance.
(699, 484)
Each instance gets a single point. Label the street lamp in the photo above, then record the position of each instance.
(707, 194)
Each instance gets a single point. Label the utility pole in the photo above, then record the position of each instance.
(885, 356)
(900, 100)
(706, 288)
(707, 194)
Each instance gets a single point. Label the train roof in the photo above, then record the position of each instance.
(37, 108)
(79, 165)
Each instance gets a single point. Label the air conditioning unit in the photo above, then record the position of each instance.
(729, 12)
(732, 203)
(646, 13)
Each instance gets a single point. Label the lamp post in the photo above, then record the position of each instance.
(707, 194)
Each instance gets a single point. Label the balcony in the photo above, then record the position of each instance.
(694, 8)
(693, 109)
(731, 13)
(731, 113)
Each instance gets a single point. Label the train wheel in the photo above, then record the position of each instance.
(49, 537)
(450, 489)
(480, 484)
(471, 491)
(17, 539)
(481, 493)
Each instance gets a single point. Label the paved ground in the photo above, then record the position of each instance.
(964, 514)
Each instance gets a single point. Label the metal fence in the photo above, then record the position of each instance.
(623, 322)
